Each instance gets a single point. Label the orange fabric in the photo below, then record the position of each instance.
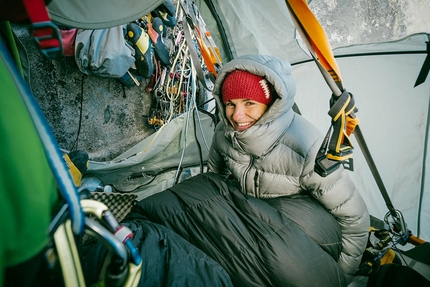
(388, 257)
(351, 123)
(205, 52)
(316, 36)
(415, 240)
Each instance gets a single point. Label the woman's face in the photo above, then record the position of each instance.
(243, 113)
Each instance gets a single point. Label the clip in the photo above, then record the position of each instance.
(43, 38)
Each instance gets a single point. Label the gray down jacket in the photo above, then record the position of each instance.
(276, 156)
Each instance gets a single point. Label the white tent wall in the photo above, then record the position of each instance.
(394, 122)
(394, 115)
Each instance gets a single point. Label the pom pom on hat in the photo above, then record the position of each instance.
(241, 84)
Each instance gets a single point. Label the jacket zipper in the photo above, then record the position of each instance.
(245, 175)
(257, 183)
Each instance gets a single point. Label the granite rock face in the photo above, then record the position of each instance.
(96, 114)
(363, 22)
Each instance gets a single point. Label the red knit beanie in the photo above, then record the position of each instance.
(244, 85)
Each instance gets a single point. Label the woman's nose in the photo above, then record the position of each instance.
(238, 113)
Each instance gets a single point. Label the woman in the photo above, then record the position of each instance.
(270, 150)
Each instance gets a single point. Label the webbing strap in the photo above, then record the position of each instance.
(340, 146)
(45, 33)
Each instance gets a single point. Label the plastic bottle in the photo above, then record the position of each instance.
(92, 183)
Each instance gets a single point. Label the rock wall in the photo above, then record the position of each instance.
(363, 21)
(96, 114)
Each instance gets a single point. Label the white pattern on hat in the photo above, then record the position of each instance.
(265, 86)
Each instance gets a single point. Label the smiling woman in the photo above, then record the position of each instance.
(270, 150)
(244, 113)
(246, 97)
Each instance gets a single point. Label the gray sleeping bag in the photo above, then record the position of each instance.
(272, 242)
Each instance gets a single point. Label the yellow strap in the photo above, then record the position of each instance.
(74, 171)
(388, 257)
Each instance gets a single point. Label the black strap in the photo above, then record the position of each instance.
(425, 69)
(372, 166)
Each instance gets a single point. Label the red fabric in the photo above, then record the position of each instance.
(36, 10)
(37, 13)
(244, 85)
(68, 38)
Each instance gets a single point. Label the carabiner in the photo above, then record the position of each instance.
(397, 224)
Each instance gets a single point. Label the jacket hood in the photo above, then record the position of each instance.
(276, 71)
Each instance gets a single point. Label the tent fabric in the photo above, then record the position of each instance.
(279, 242)
(99, 14)
(18, 188)
(395, 123)
(158, 154)
(253, 27)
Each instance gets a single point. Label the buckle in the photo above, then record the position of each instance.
(345, 152)
(325, 166)
(46, 31)
(328, 160)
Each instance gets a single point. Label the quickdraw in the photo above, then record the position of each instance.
(191, 48)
